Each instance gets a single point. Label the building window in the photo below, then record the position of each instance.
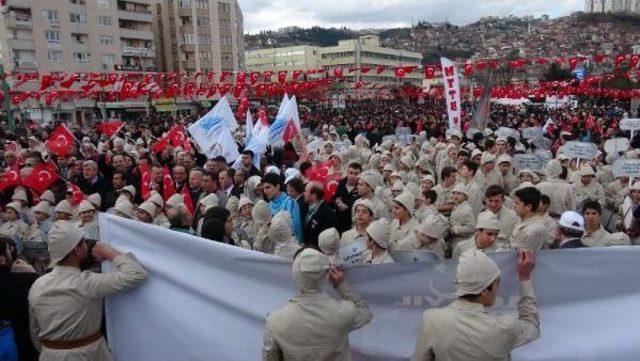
(52, 36)
(185, 4)
(204, 39)
(51, 15)
(202, 4)
(187, 38)
(79, 2)
(104, 20)
(104, 3)
(78, 18)
(107, 62)
(106, 40)
(80, 58)
(54, 56)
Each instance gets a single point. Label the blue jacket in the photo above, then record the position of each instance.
(285, 203)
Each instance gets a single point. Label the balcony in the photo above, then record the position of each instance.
(21, 44)
(19, 21)
(184, 11)
(145, 17)
(138, 51)
(188, 48)
(19, 4)
(136, 34)
(24, 65)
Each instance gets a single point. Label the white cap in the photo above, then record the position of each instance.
(434, 226)
(461, 188)
(85, 206)
(125, 208)
(176, 200)
(407, 200)
(572, 220)
(488, 220)
(244, 201)
(272, 169)
(487, 158)
(365, 203)
(372, 178)
(378, 230)
(553, 168)
(232, 205)
(310, 270)
(156, 198)
(64, 207)
(329, 241)
(635, 186)
(261, 212)
(281, 228)
(505, 158)
(16, 206)
(430, 178)
(64, 236)
(95, 199)
(19, 194)
(42, 207)
(149, 207)
(289, 174)
(210, 200)
(397, 186)
(476, 271)
(475, 153)
(387, 168)
(130, 189)
(48, 196)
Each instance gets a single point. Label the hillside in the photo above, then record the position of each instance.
(491, 37)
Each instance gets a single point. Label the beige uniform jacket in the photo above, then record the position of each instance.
(382, 258)
(508, 182)
(313, 326)
(599, 238)
(66, 305)
(594, 191)
(463, 222)
(508, 221)
(562, 196)
(468, 244)
(476, 196)
(398, 232)
(465, 331)
(551, 225)
(615, 194)
(529, 234)
(484, 180)
(444, 194)
(351, 236)
(413, 244)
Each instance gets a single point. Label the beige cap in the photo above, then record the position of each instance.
(553, 168)
(42, 207)
(329, 241)
(488, 220)
(476, 271)
(149, 207)
(232, 205)
(130, 189)
(210, 200)
(243, 202)
(461, 188)
(372, 178)
(85, 206)
(261, 212)
(64, 236)
(156, 198)
(635, 186)
(310, 270)
(16, 206)
(487, 158)
(407, 200)
(281, 228)
(396, 174)
(387, 168)
(475, 153)
(64, 207)
(95, 199)
(430, 178)
(48, 196)
(434, 226)
(125, 208)
(505, 158)
(176, 200)
(378, 230)
(365, 203)
(397, 186)
(19, 194)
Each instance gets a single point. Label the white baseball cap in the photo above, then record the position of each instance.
(572, 220)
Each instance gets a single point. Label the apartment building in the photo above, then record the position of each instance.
(200, 35)
(77, 35)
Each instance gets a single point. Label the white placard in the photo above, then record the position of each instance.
(527, 161)
(631, 124)
(543, 142)
(403, 135)
(545, 154)
(507, 132)
(580, 150)
(616, 145)
(532, 132)
(626, 167)
(353, 253)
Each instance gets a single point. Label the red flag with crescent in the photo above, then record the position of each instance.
(177, 135)
(76, 194)
(41, 177)
(188, 201)
(110, 128)
(60, 141)
(10, 179)
(145, 180)
(168, 188)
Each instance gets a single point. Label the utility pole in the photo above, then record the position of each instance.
(6, 103)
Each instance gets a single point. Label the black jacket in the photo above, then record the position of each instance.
(344, 222)
(101, 186)
(323, 218)
(572, 243)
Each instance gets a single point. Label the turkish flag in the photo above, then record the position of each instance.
(380, 69)
(168, 188)
(429, 71)
(253, 77)
(337, 72)
(365, 70)
(42, 177)
(241, 77)
(177, 135)
(224, 75)
(468, 69)
(296, 74)
(573, 63)
(619, 59)
(76, 194)
(634, 60)
(399, 72)
(290, 132)
(46, 81)
(267, 76)
(10, 179)
(69, 82)
(145, 180)
(188, 202)
(60, 141)
(110, 128)
(282, 76)
(598, 58)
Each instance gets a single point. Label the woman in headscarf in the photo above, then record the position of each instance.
(253, 188)
(13, 226)
(242, 223)
(281, 234)
(261, 217)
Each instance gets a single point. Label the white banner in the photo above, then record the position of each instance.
(209, 301)
(452, 92)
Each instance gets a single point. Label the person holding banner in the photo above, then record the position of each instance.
(314, 326)
(487, 230)
(66, 304)
(465, 331)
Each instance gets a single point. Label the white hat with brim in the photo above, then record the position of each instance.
(48, 196)
(461, 188)
(243, 202)
(379, 232)
(290, 173)
(86, 206)
(476, 271)
(64, 207)
(130, 189)
(572, 220)
(19, 194)
(64, 236)
(148, 207)
(488, 220)
(124, 208)
(16, 206)
(407, 200)
(42, 207)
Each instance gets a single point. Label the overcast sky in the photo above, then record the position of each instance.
(363, 14)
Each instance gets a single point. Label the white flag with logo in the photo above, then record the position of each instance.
(452, 93)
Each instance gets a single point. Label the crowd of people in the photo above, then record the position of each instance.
(453, 193)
